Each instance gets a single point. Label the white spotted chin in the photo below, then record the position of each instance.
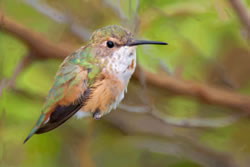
(122, 63)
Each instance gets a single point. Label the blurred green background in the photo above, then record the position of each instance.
(207, 44)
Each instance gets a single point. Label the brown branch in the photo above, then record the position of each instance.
(46, 49)
(202, 92)
(242, 13)
(39, 45)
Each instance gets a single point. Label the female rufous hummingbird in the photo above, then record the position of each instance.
(92, 79)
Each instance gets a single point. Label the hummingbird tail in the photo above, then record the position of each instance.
(30, 134)
(33, 131)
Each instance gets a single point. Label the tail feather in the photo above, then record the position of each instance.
(58, 116)
(38, 124)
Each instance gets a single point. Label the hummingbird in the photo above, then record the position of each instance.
(93, 79)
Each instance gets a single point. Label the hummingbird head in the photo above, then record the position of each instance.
(112, 38)
(115, 47)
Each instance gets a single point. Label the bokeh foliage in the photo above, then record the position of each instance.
(207, 44)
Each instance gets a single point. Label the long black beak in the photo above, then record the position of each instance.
(144, 42)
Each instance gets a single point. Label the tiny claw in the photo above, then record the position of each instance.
(97, 114)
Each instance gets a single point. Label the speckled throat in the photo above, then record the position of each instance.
(121, 63)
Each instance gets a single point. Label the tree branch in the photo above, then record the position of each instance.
(242, 13)
(202, 92)
(187, 122)
(39, 45)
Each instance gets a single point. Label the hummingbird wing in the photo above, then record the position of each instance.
(69, 92)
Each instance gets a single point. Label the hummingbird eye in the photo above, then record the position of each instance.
(110, 44)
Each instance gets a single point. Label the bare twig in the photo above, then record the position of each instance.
(198, 122)
(78, 30)
(25, 61)
(164, 67)
(135, 20)
(116, 7)
(187, 122)
(2, 85)
(242, 13)
(136, 109)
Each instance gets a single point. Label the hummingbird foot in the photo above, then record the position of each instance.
(97, 114)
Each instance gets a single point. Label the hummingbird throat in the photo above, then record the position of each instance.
(121, 63)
